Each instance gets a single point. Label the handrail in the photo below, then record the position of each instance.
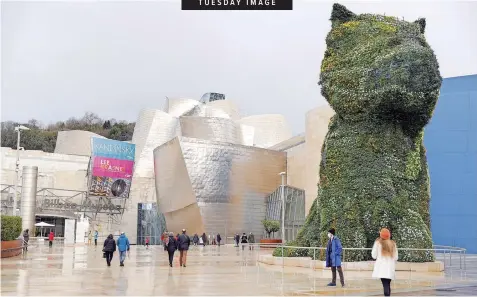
(436, 250)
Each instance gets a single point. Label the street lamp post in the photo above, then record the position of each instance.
(283, 175)
(18, 129)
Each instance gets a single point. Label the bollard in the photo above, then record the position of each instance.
(460, 259)
(283, 258)
(450, 256)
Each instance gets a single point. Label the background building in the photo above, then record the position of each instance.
(451, 143)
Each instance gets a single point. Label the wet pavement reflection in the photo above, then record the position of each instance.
(211, 270)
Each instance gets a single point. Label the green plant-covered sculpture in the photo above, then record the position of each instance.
(382, 79)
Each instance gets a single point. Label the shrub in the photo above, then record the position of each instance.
(11, 227)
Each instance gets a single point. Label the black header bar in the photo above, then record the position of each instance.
(237, 4)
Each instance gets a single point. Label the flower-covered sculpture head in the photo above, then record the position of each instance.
(379, 67)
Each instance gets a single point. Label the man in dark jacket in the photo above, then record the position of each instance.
(195, 239)
(251, 241)
(219, 238)
(26, 238)
(244, 240)
(171, 246)
(183, 245)
(109, 247)
(237, 239)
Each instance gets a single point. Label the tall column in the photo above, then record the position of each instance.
(29, 188)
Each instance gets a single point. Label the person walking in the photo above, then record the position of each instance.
(204, 239)
(251, 241)
(164, 239)
(333, 257)
(195, 239)
(123, 247)
(171, 247)
(244, 240)
(96, 237)
(109, 247)
(237, 239)
(26, 238)
(51, 237)
(219, 239)
(90, 238)
(147, 242)
(386, 254)
(183, 245)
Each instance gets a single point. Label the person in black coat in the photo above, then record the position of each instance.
(237, 239)
(171, 245)
(244, 240)
(109, 248)
(219, 239)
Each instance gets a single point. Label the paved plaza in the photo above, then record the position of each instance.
(211, 270)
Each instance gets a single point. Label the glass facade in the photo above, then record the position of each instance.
(150, 223)
(294, 210)
(58, 229)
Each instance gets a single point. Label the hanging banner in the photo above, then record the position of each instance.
(112, 165)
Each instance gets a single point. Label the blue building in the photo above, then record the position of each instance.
(451, 143)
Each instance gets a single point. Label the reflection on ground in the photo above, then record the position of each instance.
(211, 270)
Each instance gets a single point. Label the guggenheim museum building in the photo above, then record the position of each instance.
(201, 166)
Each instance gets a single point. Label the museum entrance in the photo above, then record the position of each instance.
(58, 228)
(150, 223)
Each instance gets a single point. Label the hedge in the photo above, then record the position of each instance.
(11, 227)
(382, 79)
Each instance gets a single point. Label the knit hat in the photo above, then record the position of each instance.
(385, 233)
(332, 231)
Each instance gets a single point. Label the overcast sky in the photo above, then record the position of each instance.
(61, 59)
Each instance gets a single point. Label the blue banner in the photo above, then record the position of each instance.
(113, 149)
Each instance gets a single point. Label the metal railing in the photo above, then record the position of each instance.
(445, 252)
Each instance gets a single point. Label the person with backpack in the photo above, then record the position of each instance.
(386, 254)
(183, 245)
(244, 240)
(171, 247)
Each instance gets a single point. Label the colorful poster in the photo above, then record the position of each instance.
(112, 165)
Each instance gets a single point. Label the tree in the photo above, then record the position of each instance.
(44, 137)
(271, 226)
(107, 125)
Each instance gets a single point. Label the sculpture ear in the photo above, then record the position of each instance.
(340, 14)
(422, 24)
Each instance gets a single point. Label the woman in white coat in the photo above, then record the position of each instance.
(385, 253)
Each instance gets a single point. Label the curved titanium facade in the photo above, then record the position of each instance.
(270, 129)
(153, 128)
(75, 142)
(227, 106)
(29, 188)
(215, 187)
(216, 129)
